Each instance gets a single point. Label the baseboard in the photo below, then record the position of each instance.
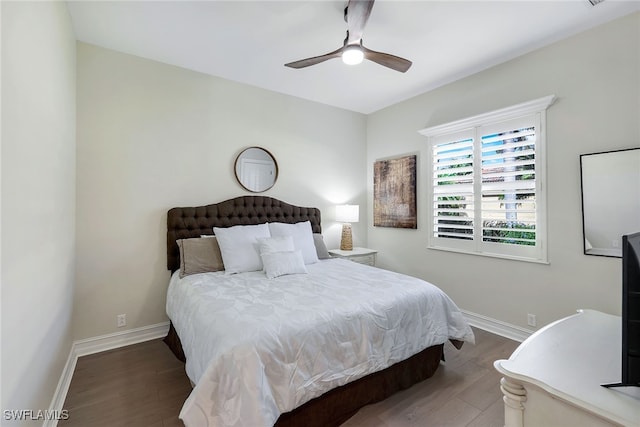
(96, 345)
(120, 339)
(63, 387)
(497, 327)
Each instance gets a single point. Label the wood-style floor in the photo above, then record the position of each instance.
(144, 385)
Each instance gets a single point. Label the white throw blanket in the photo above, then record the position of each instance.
(257, 348)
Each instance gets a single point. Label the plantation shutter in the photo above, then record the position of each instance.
(453, 186)
(508, 189)
(487, 191)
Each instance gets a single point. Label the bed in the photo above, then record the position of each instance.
(248, 371)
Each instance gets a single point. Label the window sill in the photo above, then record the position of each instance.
(491, 255)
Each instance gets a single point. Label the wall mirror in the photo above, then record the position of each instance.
(256, 169)
(610, 199)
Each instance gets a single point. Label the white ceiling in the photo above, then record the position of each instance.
(250, 41)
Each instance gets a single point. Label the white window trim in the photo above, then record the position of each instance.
(539, 105)
(536, 106)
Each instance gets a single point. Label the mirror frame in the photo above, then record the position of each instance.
(246, 185)
(605, 252)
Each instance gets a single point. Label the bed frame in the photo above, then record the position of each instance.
(338, 405)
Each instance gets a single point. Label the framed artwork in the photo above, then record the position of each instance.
(394, 193)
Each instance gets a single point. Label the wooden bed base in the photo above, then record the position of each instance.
(336, 406)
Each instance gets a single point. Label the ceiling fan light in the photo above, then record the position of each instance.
(352, 55)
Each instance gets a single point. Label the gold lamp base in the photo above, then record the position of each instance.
(346, 242)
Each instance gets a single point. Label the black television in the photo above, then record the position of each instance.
(630, 312)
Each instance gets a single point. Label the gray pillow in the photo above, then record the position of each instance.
(199, 255)
(321, 248)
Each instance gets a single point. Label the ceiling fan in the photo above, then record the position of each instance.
(353, 52)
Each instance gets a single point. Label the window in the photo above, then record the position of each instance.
(486, 184)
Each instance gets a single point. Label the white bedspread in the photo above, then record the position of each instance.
(257, 348)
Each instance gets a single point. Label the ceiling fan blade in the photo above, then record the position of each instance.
(388, 60)
(358, 12)
(315, 59)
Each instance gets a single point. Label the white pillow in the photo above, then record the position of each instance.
(276, 244)
(280, 263)
(302, 238)
(239, 247)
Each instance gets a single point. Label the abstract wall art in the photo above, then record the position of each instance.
(394, 192)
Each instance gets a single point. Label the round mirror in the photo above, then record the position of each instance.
(256, 169)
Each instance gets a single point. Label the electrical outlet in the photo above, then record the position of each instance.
(121, 319)
(531, 319)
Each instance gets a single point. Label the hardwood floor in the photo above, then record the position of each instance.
(464, 391)
(144, 385)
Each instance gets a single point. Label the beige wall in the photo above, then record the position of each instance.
(38, 201)
(153, 136)
(596, 76)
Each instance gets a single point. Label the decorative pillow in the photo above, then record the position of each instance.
(280, 263)
(321, 248)
(239, 247)
(276, 244)
(199, 256)
(302, 238)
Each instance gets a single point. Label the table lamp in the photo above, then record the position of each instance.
(346, 214)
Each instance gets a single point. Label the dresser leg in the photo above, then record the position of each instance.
(514, 396)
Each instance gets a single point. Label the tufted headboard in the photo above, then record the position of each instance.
(184, 223)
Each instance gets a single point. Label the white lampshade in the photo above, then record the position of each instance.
(347, 213)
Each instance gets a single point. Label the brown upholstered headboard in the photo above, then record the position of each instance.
(184, 223)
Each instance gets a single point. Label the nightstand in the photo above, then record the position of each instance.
(360, 255)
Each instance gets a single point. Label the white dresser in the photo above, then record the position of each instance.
(554, 377)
